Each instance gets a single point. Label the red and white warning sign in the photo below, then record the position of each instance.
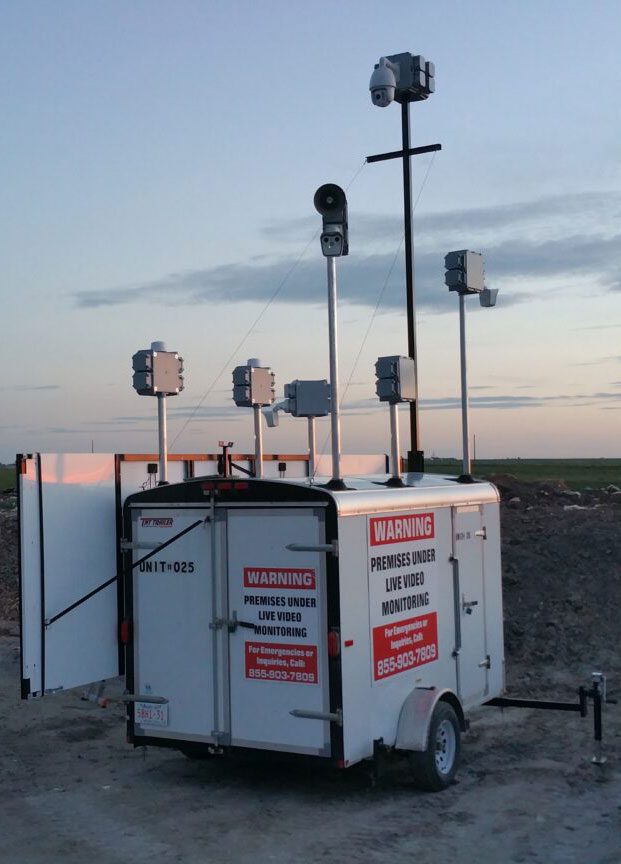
(283, 605)
(402, 592)
(279, 577)
(278, 662)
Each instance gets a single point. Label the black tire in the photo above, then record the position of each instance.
(434, 768)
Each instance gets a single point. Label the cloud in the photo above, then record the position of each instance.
(525, 241)
(204, 412)
(19, 387)
(593, 208)
(611, 357)
(499, 402)
(599, 327)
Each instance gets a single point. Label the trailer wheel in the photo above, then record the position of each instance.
(434, 768)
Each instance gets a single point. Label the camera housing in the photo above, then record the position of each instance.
(402, 78)
(383, 83)
(331, 203)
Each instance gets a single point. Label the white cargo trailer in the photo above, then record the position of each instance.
(285, 616)
(275, 615)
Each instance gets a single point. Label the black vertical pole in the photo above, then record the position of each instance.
(416, 459)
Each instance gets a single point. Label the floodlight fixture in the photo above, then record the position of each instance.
(253, 387)
(465, 275)
(464, 272)
(158, 372)
(395, 383)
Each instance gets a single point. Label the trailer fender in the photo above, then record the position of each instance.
(416, 713)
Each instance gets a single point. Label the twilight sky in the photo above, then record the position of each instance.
(158, 163)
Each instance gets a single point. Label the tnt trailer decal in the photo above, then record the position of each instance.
(282, 604)
(402, 585)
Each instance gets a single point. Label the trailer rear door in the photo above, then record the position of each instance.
(172, 600)
(68, 573)
(473, 662)
(278, 639)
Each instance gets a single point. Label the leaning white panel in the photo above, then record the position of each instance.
(79, 544)
(30, 574)
(135, 477)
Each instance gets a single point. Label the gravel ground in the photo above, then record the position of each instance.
(71, 790)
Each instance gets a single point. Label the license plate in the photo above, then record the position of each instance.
(151, 714)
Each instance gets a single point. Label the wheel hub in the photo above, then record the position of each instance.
(445, 747)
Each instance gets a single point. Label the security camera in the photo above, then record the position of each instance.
(383, 83)
(271, 412)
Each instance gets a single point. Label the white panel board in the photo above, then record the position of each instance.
(79, 554)
(353, 465)
(135, 478)
(30, 577)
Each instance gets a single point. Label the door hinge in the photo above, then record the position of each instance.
(487, 663)
(482, 532)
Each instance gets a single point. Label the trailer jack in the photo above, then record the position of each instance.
(597, 692)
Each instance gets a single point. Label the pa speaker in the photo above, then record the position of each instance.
(330, 201)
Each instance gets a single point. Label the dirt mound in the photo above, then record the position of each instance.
(8, 565)
(562, 588)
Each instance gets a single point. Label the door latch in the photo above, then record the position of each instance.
(233, 623)
(467, 605)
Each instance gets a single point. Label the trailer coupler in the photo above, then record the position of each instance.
(597, 692)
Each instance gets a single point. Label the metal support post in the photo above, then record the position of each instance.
(335, 424)
(466, 474)
(312, 447)
(258, 443)
(163, 437)
(415, 456)
(395, 456)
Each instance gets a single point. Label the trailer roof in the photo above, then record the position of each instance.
(360, 495)
(371, 494)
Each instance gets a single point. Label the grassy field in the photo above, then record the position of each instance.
(577, 473)
(7, 477)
